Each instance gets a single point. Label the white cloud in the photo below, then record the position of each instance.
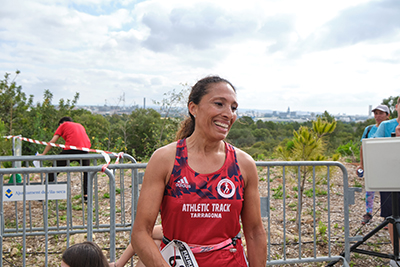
(312, 55)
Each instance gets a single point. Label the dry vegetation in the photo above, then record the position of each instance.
(12, 246)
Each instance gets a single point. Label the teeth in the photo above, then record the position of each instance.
(221, 124)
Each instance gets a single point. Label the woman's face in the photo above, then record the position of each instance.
(380, 116)
(216, 111)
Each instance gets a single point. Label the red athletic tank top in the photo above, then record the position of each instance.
(204, 209)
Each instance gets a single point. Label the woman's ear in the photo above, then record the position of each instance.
(192, 107)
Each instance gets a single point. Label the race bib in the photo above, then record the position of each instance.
(178, 254)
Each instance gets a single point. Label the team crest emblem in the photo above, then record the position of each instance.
(226, 188)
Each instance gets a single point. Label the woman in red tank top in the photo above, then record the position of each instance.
(204, 186)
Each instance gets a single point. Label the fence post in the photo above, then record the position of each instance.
(17, 150)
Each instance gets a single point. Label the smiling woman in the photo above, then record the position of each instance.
(204, 186)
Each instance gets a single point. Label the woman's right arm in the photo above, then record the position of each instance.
(156, 176)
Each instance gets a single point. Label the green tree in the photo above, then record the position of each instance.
(260, 124)
(261, 134)
(41, 125)
(307, 144)
(145, 125)
(241, 137)
(13, 104)
(240, 134)
(42, 121)
(97, 128)
(328, 117)
(123, 127)
(391, 103)
(245, 122)
(5, 144)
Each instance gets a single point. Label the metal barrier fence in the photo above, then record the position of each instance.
(318, 220)
(67, 216)
(289, 241)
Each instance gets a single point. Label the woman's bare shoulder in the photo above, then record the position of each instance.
(166, 150)
(164, 155)
(161, 164)
(243, 157)
(247, 166)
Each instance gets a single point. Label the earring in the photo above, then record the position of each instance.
(194, 116)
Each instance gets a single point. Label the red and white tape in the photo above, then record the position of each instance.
(104, 153)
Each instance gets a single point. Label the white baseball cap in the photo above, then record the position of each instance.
(383, 108)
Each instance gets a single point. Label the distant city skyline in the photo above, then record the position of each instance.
(264, 114)
(144, 104)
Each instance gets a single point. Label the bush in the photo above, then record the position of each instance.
(350, 150)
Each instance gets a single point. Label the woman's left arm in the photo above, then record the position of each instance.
(254, 232)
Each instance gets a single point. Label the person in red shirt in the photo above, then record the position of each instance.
(74, 134)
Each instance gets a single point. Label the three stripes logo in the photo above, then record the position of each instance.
(183, 183)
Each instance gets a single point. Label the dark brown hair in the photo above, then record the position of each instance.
(199, 90)
(64, 119)
(86, 254)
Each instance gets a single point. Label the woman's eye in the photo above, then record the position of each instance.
(218, 103)
(234, 109)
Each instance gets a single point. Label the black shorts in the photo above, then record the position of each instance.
(386, 203)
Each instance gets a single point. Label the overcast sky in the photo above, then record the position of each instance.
(310, 55)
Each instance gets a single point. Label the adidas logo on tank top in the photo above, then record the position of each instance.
(183, 183)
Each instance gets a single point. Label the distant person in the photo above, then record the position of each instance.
(86, 254)
(381, 113)
(386, 129)
(74, 134)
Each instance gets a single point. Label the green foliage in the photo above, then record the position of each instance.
(13, 104)
(350, 150)
(139, 133)
(77, 207)
(303, 146)
(335, 157)
(309, 193)
(357, 184)
(42, 123)
(323, 127)
(278, 192)
(99, 130)
(391, 103)
(241, 137)
(145, 130)
(5, 144)
(326, 116)
(321, 229)
(307, 144)
(318, 192)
